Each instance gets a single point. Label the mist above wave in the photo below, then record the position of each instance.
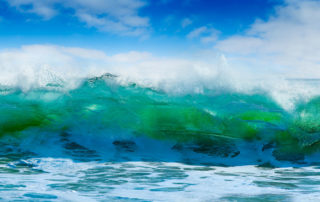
(65, 68)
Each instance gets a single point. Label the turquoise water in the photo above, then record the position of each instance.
(108, 141)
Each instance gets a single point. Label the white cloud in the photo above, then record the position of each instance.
(212, 37)
(132, 56)
(186, 22)
(43, 8)
(197, 32)
(119, 17)
(286, 44)
(205, 33)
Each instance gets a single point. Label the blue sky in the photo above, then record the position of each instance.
(257, 37)
(165, 24)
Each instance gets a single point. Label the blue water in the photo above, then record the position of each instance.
(105, 141)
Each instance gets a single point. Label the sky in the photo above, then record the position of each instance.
(144, 25)
(264, 37)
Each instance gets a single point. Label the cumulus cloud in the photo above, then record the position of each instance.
(118, 17)
(206, 34)
(286, 44)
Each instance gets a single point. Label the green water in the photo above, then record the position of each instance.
(105, 141)
(213, 117)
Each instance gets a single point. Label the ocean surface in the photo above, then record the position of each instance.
(106, 140)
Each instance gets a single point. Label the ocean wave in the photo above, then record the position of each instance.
(103, 114)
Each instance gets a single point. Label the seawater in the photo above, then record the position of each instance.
(106, 141)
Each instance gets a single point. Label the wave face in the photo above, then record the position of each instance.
(105, 117)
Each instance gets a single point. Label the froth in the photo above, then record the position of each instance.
(47, 66)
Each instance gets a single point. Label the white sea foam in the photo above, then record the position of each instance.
(161, 181)
(36, 66)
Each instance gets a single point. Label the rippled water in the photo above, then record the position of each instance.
(64, 179)
(24, 176)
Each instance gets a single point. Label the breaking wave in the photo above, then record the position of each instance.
(102, 116)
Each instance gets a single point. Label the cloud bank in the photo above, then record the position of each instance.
(286, 44)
